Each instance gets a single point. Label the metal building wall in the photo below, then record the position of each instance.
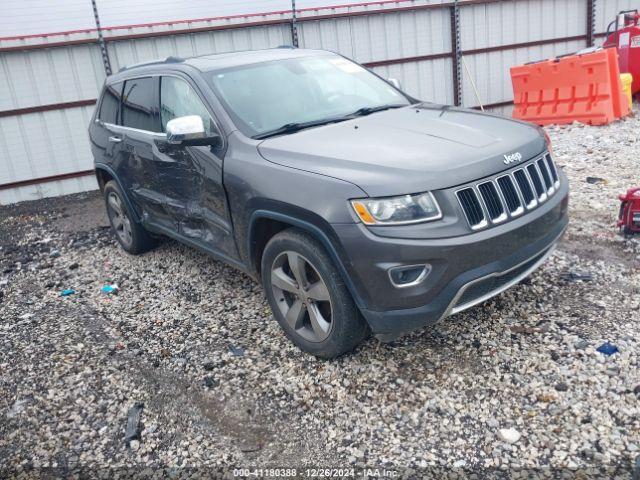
(606, 11)
(378, 40)
(48, 84)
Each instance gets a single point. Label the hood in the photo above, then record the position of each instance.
(407, 150)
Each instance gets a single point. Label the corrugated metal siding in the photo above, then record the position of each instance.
(49, 189)
(381, 37)
(43, 77)
(44, 144)
(127, 52)
(43, 16)
(507, 23)
(50, 143)
(606, 11)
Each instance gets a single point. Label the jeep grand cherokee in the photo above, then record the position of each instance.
(359, 208)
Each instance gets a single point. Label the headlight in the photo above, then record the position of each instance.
(397, 210)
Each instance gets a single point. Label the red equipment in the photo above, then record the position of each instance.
(629, 217)
(626, 39)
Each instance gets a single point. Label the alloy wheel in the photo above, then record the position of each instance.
(302, 296)
(119, 219)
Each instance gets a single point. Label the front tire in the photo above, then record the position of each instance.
(308, 297)
(131, 236)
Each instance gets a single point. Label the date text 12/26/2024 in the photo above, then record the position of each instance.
(314, 473)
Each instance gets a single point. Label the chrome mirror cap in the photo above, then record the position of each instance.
(190, 127)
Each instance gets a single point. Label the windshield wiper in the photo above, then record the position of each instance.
(296, 127)
(361, 112)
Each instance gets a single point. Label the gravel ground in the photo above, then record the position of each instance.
(514, 387)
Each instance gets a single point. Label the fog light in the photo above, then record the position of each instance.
(408, 275)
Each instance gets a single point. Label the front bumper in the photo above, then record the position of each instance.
(466, 270)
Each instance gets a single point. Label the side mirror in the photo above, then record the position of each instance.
(189, 130)
(395, 82)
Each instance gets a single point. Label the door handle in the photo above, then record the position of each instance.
(115, 139)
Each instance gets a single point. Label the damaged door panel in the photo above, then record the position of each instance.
(190, 177)
(139, 125)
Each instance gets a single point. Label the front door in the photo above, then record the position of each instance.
(190, 177)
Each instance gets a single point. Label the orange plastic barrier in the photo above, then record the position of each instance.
(584, 88)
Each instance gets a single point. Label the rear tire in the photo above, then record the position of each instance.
(308, 296)
(131, 236)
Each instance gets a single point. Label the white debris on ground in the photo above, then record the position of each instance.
(516, 383)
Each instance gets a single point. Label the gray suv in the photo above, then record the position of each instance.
(359, 208)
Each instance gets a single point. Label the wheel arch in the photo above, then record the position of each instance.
(317, 228)
(104, 174)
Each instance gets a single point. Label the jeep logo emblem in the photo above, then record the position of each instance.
(513, 158)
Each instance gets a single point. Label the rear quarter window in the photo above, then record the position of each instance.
(110, 102)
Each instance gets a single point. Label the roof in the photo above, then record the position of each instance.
(233, 59)
(218, 61)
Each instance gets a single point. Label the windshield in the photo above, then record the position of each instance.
(264, 97)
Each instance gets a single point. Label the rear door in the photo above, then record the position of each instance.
(190, 178)
(139, 126)
(104, 139)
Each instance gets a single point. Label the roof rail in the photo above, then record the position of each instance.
(170, 59)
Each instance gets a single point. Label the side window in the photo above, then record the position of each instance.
(110, 103)
(178, 99)
(139, 105)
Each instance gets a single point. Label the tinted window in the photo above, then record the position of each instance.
(178, 99)
(139, 104)
(110, 102)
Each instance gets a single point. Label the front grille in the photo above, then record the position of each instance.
(537, 181)
(552, 169)
(472, 207)
(511, 197)
(495, 200)
(542, 165)
(525, 188)
(491, 198)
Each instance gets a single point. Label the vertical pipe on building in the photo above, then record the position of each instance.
(456, 53)
(294, 26)
(591, 22)
(101, 42)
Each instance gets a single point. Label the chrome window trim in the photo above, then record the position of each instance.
(136, 130)
(163, 134)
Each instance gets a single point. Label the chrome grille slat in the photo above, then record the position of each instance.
(525, 187)
(492, 202)
(536, 180)
(510, 194)
(546, 175)
(472, 208)
(552, 169)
